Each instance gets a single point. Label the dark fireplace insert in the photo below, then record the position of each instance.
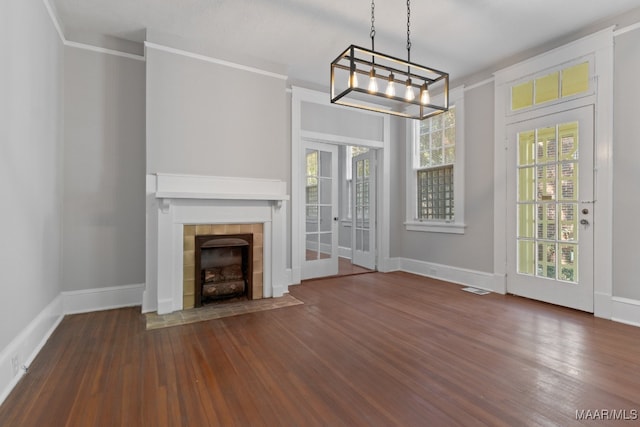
(224, 265)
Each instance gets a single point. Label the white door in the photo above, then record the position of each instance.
(550, 209)
(320, 210)
(363, 200)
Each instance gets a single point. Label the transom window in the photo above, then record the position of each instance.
(568, 81)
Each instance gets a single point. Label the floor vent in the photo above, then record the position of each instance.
(476, 291)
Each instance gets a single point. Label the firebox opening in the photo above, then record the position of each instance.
(223, 269)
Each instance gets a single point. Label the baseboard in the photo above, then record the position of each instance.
(280, 290)
(625, 310)
(165, 306)
(390, 264)
(296, 276)
(25, 347)
(500, 283)
(344, 252)
(149, 305)
(461, 276)
(602, 305)
(98, 299)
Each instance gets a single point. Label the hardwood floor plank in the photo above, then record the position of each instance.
(364, 350)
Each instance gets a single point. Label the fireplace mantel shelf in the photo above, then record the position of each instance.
(197, 187)
(220, 196)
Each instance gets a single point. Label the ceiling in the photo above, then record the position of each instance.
(301, 37)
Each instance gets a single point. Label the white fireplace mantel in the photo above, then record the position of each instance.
(172, 186)
(178, 200)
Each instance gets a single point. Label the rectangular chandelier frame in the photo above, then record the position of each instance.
(368, 65)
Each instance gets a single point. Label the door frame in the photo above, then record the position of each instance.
(383, 185)
(328, 266)
(599, 46)
(366, 260)
(577, 295)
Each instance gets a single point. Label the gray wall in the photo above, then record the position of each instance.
(208, 119)
(344, 230)
(626, 171)
(104, 179)
(397, 191)
(474, 249)
(343, 122)
(30, 164)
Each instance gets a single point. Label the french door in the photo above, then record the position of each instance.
(363, 225)
(320, 210)
(550, 208)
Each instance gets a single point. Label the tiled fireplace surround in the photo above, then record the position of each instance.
(181, 206)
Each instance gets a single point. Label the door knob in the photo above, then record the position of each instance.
(584, 222)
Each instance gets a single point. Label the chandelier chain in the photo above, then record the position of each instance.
(416, 81)
(409, 30)
(373, 20)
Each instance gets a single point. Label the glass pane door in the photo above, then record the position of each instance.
(363, 216)
(550, 231)
(321, 245)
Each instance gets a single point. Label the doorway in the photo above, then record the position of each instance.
(550, 208)
(315, 120)
(339, 210)
(320, 210)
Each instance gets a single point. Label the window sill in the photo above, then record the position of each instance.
(435, 227)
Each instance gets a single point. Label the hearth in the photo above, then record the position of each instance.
(223, 268)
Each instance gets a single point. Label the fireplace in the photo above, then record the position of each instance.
(181, 207)
(195, 235)
(223, 268)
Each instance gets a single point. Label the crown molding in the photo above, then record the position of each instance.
(149, 45)
(104, 50)
(58, 27)
(54, 20)
(626, 29)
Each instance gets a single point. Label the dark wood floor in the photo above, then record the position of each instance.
(346, 268)
(364, 350)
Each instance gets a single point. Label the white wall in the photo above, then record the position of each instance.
(104, 173)
(31, 78)
(626, 172)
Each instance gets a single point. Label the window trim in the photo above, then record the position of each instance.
(412, 223)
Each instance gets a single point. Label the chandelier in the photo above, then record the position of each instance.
(393, 86)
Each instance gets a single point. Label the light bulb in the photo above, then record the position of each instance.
(373, 84)
(391, 89)
(424, 95)
(409, 95)
(353, 79)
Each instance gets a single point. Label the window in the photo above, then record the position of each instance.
(435, 171)
(569, 81)
(435, 193)
(351, 152)
(311, 188)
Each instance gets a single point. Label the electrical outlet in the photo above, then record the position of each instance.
(15, 365)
